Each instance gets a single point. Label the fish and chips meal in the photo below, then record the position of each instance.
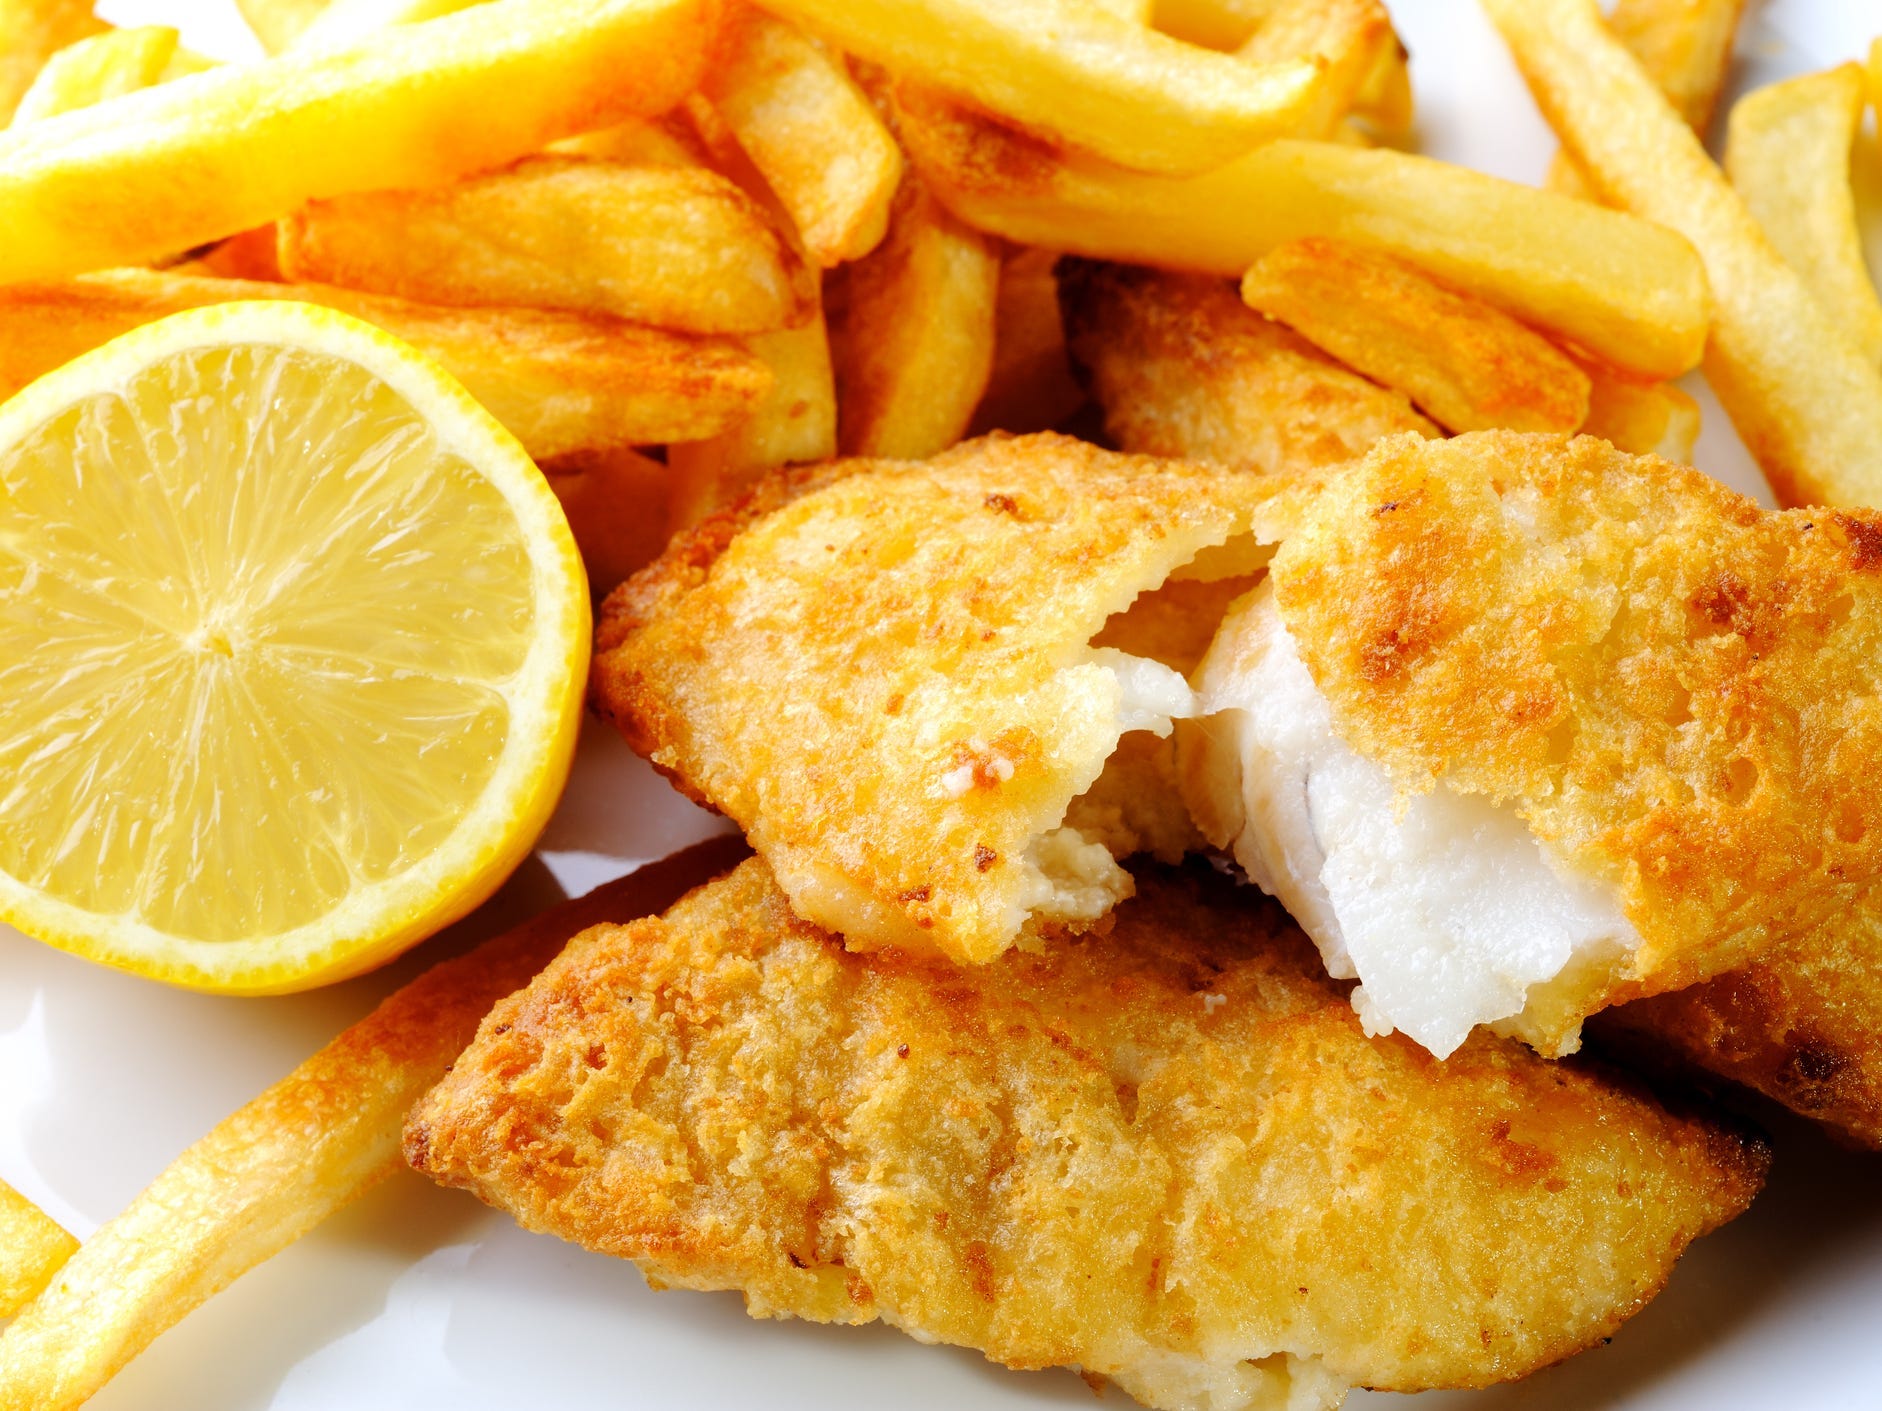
(1286, 840)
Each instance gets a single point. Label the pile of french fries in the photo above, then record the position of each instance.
(677, 244)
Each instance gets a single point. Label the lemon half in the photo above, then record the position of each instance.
(293, 638)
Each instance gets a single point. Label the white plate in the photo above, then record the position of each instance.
(419, 1298)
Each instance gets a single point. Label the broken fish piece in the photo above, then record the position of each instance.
(1524, 727)
(885, 673)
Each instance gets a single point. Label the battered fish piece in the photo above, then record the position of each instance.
(1182, 367)
(1521, 728)
(885, 673)
(1168, 1156)
(1802, 1026)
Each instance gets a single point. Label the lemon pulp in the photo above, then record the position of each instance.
(263, 650)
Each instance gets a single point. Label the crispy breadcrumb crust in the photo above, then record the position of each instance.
(881, 670)
(1182, 367)
(1803, 1026)
(1677, 689)
(1150, 1156)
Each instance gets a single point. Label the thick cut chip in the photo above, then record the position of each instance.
(795, 111)
(1787, 153)
(1644, 418)
(888, 679)
(616, 503)
(794, 424)
(1352, 42)
(31, 32)
(1630, 292)
(1167, 1157)
(560, 382)
(1601, 726)
(661, 245)
(1086, 75)
(1465, 363)
(32, 1249)
(292, 646)
(1181, 367)
(912, 329)
(139, 177)
(1031, 387)
(1685, 47)
(278, 23)
(104, 66)
(1803, 397)
(309, 1145)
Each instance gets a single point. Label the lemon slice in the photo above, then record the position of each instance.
(293, 637)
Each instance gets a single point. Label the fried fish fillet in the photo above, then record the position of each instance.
(1803, 1025)
(888, 678)
(1523, 727)
(1180, 366)
(1168, 1156)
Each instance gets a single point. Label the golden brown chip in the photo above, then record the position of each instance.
(911, 333)
(269, 1172)
(888, 680)
(1168, 1157)
(1803, 397)
(1685, 47)
(1182, 367)
(31, 32)
(662, 245)
(1627, 290)
(1031, 387)
(794, 110)
(32, 1249)
(1671, 687)
(616, 503)
(560, 382)
(1466, 364)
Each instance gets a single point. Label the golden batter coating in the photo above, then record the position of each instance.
(1803, 1026)
(1676, 689)
(885, 673)
(1168, 1157)
(1181, 366)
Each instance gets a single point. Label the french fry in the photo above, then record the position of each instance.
(661, 245)
(312, 1143)
(560, 382)
(1644, 418)
(1466, 365)
(1626, 290)
(32, 1250)
(645, 142)
(103, 66)
(1805, 400)
(1685, 46)
(278, 23)
(1383, 100)
(795, 111)
(193, 161)
(795, 422)
(616, 503)
(1181, 367)
(1092, 78)
(31, 32)
(1351, 41)
(1031, 387)
(913, 341)
(1787, 154)
(344, 22)
(1214, 24)
(254, 254)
